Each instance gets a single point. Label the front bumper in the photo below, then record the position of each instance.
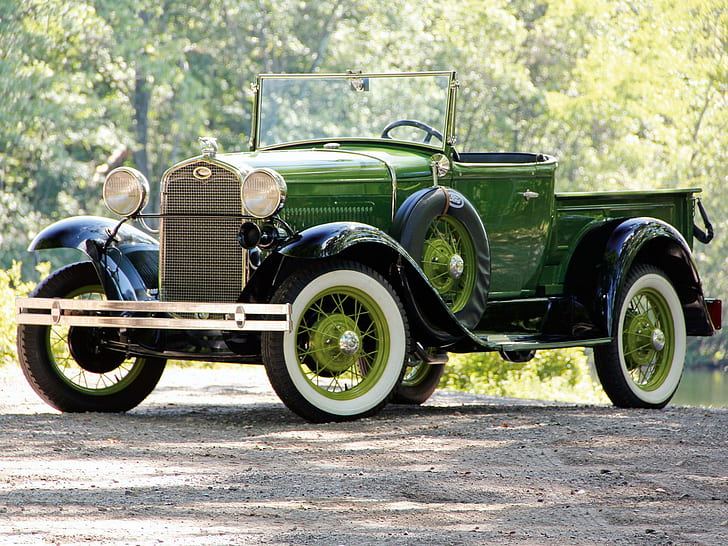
(156, 315)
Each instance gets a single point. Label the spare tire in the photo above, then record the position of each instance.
(443, 233)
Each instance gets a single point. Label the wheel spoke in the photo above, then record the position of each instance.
(647, 335)
(358, 313)
(317, 309)
(311, 330)
(637, 349)
(644, 373)
(340, 301)
(371, 332)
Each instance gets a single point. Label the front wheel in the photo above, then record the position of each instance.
(345, 353)
(70, 367)
(642, 366)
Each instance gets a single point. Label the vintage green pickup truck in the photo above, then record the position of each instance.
(350, 250)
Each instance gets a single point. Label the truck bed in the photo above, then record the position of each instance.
(577, 213)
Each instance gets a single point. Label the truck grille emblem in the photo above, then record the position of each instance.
(202, 173)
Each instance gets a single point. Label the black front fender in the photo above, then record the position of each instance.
(327, 240)
(652, 241)
(127, 264)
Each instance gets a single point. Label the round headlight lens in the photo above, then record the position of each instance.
(126, 191)
(263, 192)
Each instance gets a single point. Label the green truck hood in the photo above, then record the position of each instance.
(354, 166)
(361, 183)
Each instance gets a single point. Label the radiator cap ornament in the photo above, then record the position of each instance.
(208, 145)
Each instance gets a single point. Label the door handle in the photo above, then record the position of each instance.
(528, 194)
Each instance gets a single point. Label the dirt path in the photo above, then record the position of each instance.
(213, 458)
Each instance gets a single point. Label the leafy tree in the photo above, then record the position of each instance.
(11, 286)
(627, 93)
(641, 103)
(52, 118)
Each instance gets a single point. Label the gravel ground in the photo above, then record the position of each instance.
(212, 457)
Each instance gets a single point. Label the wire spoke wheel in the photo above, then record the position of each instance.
(72, 368)
(449, 261)
(648, 324)
(445, 236)
(345, 354)
(107, 373)
(415, 374)
(643, 364)
(342, 342)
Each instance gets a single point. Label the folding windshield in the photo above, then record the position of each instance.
(299, 108)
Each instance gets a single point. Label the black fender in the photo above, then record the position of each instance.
(127, 264)
(410, 226)
(651, 241)
(430, 319)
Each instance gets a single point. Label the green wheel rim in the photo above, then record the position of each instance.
(415, 374)
(342, 343)
(648, 339)
(449, 261)
(81, 380)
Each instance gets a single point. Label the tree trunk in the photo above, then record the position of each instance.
(140, 102)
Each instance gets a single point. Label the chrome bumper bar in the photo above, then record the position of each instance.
(255, 317)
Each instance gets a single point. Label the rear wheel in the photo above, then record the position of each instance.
(418, 383)
(69, 367)
(642, 366)
(345, 354)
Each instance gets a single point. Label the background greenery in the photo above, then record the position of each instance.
(627, 93)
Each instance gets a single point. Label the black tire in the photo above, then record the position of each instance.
(418, 383)
(345, 354)
(103, 380)
(443, 232)
(643, 365)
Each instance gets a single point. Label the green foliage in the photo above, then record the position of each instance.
(628, 94)
(11, 287)
(552, 375)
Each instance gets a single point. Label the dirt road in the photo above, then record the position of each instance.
(212, 457)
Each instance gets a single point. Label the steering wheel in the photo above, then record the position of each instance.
(431, 131)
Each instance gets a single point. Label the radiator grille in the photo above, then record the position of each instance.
(201, 259)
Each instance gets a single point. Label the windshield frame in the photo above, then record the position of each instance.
(448, 135)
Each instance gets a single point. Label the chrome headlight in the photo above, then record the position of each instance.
(263, 192)
(126, 191)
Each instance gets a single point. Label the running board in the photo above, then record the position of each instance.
(504, 342)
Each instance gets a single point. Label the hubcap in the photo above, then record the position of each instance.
(334, 343)
(658, 339)
(457, 265)
(349, 342)
(85, 347)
